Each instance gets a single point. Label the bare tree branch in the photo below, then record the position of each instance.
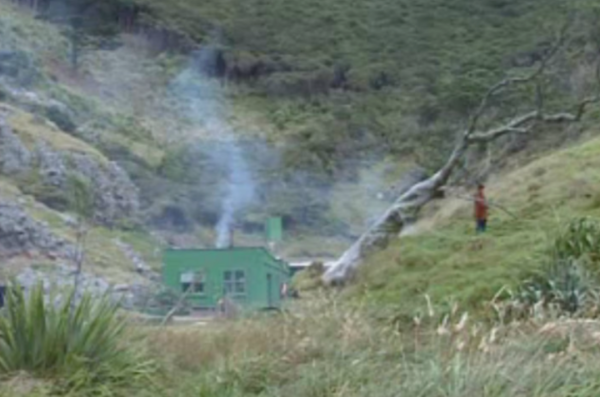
(516, 125)
(409, 203)
(512, 81)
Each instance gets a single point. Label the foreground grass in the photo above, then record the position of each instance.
(326, 350)
(68, 346)
(321, 348)
(444, 258)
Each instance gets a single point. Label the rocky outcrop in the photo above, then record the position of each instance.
(51, 165)
(116, 198)
(59, 280)
(14, 156)
(21, 235)
(140, 266)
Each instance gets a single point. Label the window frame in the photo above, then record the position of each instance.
(231, 284)
(198, 281)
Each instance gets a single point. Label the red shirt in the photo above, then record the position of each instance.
(481, 207)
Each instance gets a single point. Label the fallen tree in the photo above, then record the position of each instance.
(412, 201)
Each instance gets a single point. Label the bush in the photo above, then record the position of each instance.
(31, 183)
(579, 240)
(83, 345)
(565, 284)
(569, 281)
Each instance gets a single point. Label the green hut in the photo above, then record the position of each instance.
(250, 277)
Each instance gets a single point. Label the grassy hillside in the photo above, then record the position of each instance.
(323, 94)
(443, 258)
(26, 103)
(326, 95)
(342, 83)
(368, 73)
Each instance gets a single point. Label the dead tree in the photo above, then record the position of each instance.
(411, 202)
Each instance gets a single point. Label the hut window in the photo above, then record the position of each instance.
(192, 280)
(235, 282)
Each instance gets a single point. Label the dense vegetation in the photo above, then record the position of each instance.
(360, 73)
(342, 83)
(322, 90)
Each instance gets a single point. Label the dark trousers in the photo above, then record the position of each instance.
(481, 225)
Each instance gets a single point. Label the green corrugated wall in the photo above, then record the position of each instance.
(257, 263)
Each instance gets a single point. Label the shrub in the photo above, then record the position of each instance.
(579, 240)
(84, 346)
(565, 284)
(568, 281)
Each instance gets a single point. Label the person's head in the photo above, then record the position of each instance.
(480, 187)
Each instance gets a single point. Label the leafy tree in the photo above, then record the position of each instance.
(87, 24)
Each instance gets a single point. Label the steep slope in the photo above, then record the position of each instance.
(327, 120)
(41, 148)
(443, 258)
(321, 90)
(404, 68)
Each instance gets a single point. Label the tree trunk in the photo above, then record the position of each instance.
(393, 221)
(410, 203)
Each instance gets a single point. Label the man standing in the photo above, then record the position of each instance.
(481, 209)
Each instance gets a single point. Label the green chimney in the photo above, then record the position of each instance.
(274, 229)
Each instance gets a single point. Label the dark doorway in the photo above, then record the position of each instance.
(269, 290)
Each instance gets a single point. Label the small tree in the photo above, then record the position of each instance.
(477, 132)
(87, 24)
(82, 204)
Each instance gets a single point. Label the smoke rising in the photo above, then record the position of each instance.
(208, 109)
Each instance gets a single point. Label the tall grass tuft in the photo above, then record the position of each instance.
(84, 346)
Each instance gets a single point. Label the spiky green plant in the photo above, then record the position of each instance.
(580, 239)
(569, 280)
(563, 283)
(84, 346)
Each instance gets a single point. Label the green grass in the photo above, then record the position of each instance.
(32, 130)
(412, 71)
(444, 258)
(324, 349)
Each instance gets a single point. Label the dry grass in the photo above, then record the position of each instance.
(324, 349)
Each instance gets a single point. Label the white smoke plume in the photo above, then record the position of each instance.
(208, 108)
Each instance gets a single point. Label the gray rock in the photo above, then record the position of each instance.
(21, 235)
(14, 156)
(58, 281)
(138, 263)
(116, 198)
(51, 165)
